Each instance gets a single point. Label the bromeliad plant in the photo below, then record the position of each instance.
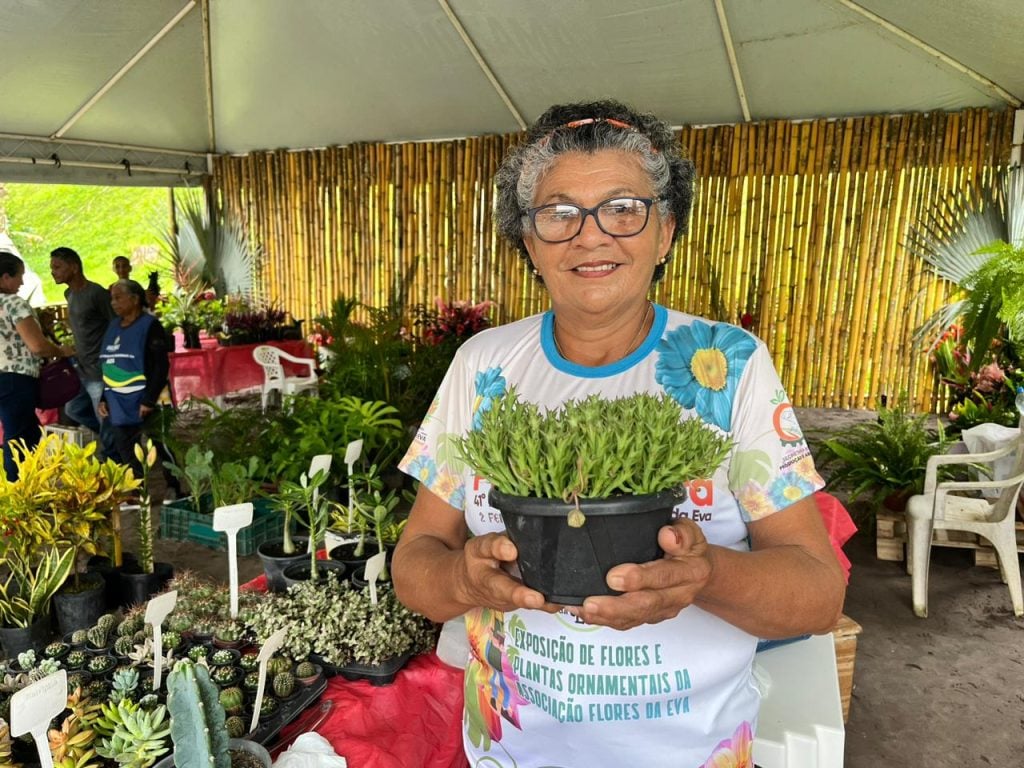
(591, 448)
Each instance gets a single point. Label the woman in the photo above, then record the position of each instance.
(22, 346)
(135, 366)
(594, 199)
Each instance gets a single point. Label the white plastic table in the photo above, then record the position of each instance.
(801, 720)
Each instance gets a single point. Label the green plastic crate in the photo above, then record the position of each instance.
(180, 522)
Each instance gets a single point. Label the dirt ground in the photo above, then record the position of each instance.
(946, 691)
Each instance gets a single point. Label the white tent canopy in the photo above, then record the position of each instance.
(121, 91)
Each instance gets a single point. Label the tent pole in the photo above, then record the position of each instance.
(737, 79)
(1018, 137)
(101, 166)
(211, 125)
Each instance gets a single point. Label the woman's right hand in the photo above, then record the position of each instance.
(102, 409)
(484, 580)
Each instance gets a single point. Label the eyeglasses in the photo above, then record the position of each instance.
(617, 216)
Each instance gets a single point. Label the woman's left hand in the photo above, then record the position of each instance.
(145, 410)
(657, 590)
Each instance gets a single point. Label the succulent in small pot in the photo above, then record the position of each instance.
(621, 465)
(284, 685)
(251, 681)
(236, 726)
(228, 634)
(76, 659)
(98, 690)
(269, 707)
(226, 676)
(100, 665)
(278, 664)
(98, 637)
(78, 638)
(249, 661)
(57, 650)
(307, 672)
(224, 657)
(78, 680)
(124, 646)
(197, 653)
(233, 700)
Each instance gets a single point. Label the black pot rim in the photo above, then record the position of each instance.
(278, 542)
(615, 505)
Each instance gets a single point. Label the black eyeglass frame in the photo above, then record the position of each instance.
(532, 215)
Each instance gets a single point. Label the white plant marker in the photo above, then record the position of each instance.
(269, 648)
(157, 610)
(231, 520)
(352, 454)
(34, 706)
(372, 570)
(322, 461)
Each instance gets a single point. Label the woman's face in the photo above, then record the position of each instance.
(11, 283)
(125, 303)
(595, 273)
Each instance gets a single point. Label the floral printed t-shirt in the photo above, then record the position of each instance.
(15, 356)
(548, 690)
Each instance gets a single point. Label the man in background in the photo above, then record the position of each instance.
(89, 314)
(122, 268)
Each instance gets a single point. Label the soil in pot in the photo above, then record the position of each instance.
(567, 564)
(137, 587)
(275, 560)
(346, 553)
(297, 572)
(80, 609)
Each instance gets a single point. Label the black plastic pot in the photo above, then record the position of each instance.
(297, 572)
(80, 610)
(567, 564)
(275, 560)
(15, 640)
(105, 568)
(137, 587)
(346, 554)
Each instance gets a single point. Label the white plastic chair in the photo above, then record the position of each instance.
(939, 507)
(270, 359)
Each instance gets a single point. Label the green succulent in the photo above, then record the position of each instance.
(232, 699)
(249, 661)
(124, 645)
(278, 664)
(305, 669)
(79, 637)
(124, 683)
(132, 736)
(284, 685)
(56, 650)
(197, 652)
(97, 636)
(236, 727)
(107, 621)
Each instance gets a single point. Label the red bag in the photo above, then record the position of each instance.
(58, 383)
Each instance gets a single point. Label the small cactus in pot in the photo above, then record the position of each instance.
(233, 700)
(284, 685)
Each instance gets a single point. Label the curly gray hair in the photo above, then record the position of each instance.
(590, 127)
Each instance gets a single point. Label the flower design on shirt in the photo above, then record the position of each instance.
(788, 488)
(700, 365)
(489, 384)
(754, 502)
(736, 752)
(491, 685)
(423, 468)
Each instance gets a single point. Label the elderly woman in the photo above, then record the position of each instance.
(22, 347)
(135, 366)
(660, 675)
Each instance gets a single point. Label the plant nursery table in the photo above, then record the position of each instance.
(214, 371)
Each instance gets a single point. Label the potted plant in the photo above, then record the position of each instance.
(317, 505)
(372, 511)
(25, 597)
(141, 581)
(885, 459)
(587, 486)
(278, 554)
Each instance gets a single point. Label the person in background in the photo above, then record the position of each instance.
(89, 314)
(22, 347)
(122, 268)
(134, 362)
(660, 675)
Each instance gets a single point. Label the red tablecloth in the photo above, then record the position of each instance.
(215, 370)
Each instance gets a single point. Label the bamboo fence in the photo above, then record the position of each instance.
(799, 224)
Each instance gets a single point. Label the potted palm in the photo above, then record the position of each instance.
(587, 486)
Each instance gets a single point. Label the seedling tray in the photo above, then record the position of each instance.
(180, 522)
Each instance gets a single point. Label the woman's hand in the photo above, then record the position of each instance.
(67, 350)
(145, 410)
(102, 409)
(484, 581)
(658, 590)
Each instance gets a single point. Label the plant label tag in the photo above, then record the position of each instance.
(269, 648)
(373, 568)
(353, 452)
(34, 706)
(320, 462)
(157, 610)
(231, 519)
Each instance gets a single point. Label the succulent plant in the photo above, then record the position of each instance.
(171, 639)
(97, 690)
(44, 668)
(79, 637)
(100, 664)
(232, 699)
(5, 744)
(127, 628)
(251, 681)
(278, 664)
(228, 632)
(269, 706)
(249, 661)
(139, 637)
(124, 684)
(107, 621)
(225, 675)
(235, 725)
(124, 645)
(133, 736)
(26, 660)
(222, 656)
(197, 652)
(305, 669)
(73, 743)
(284, 685)
(77, 680)
(56, 650)
(97, 636)
(75, 659)
(197, 718)
(179, 622)
(150, 700)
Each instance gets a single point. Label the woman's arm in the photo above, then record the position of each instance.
(30, 332)
(790, 582)
(439, 573)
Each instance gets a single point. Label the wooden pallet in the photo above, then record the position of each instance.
(845, 638)
(891, 540)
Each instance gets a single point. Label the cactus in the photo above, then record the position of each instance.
(232, 699)
(108, 621)
(197, 718)
(132, 736)
(124, 645)
(284, 685)
(179, 622)
(234, 724)
(56, 650)
(97, 690)
(305, 669)
(249, 661)
(172, 640)
(278, 664)
(222, 656)
(126, 628)
(79, 637)
(97, 636)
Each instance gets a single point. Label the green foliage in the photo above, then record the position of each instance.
(591, 448)
(98, 222)
(883, 457)
(130, 735)
(996, 296)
